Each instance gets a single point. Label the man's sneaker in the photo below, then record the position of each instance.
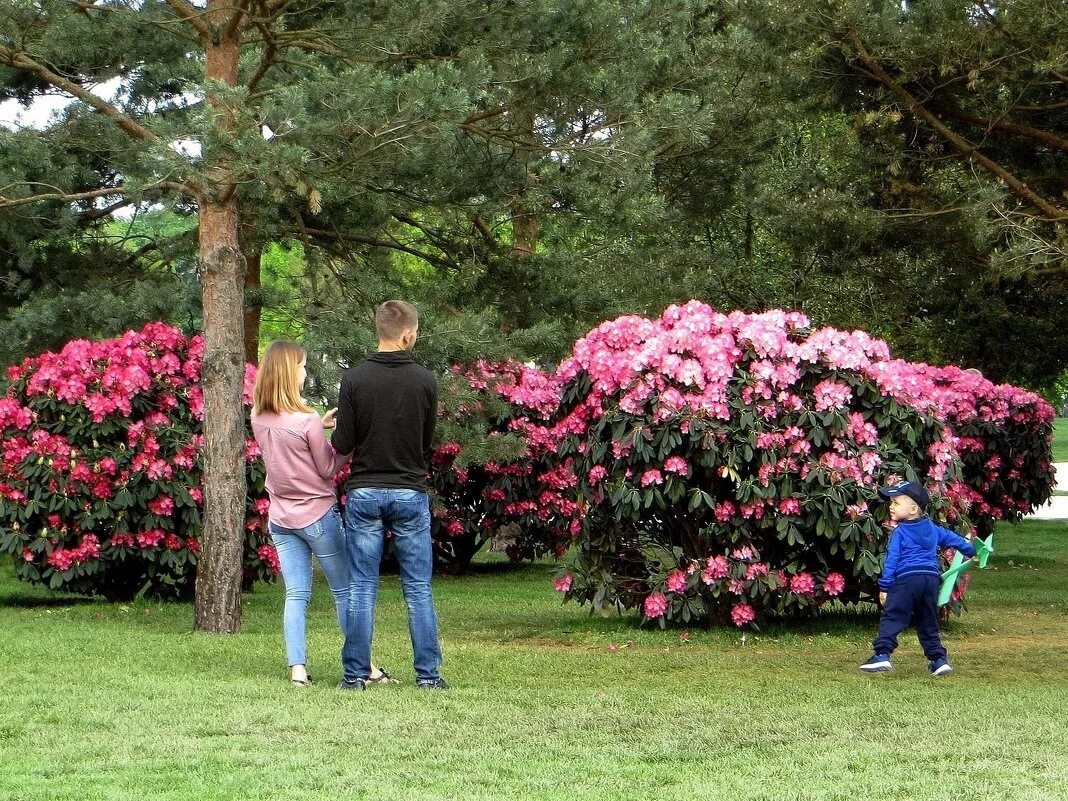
(877, 664)
(432, 684)
(352, 684)
(940, 667)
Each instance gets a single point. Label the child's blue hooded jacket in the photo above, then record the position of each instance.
(914, 547)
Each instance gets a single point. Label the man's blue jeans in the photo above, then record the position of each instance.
(369, 513)
(325, 539)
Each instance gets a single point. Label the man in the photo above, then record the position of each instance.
(386, 416)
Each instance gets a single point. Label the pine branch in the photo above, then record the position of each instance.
(1024, 47)
(962, 145)
(1042, 109)
(240, 11)
(270, 50)
(194, 16)
(74, 197)
(21, 61)
(391, 244)
(996, 124)
(10, 203)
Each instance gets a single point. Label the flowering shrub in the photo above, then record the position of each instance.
(100, 473)
(1003, 435)
(726, 463)
(511, 492)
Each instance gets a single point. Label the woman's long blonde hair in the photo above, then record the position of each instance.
(277, 386)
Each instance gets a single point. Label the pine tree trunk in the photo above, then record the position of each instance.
(526, 224)
(222, 265)
(253, 259)
(525, 230)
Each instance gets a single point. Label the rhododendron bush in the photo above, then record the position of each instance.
(1003, 435)
(512, 493)
(727, 465)
(704, 465)
(101, 468)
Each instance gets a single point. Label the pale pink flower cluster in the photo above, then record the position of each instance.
(832, 395)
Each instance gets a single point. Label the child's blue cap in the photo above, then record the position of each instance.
(909, 489)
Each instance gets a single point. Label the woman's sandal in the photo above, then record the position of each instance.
(382, 677)
(299, 682)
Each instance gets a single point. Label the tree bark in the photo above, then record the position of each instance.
(253, 309)
(525, 230)
(526, 224)
(222, 265)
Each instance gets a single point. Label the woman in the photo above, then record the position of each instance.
(303, 516)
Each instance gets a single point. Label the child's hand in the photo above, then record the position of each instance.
(328, 418)
(882, 599)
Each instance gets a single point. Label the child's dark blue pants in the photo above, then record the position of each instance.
(911, 599)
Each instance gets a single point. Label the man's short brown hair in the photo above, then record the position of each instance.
(394, 317)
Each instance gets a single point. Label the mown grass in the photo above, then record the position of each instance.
(1060, 439)
(109, 702)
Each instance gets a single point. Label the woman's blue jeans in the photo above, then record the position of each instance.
(369, 513)
(325, 539)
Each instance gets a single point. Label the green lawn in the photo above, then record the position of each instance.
(1060, 439)
(108, 702)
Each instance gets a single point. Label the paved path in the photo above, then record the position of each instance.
(1057, 508)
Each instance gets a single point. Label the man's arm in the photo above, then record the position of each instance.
(431, 419)
(344, 436)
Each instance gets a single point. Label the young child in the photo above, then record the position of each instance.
(908, 588)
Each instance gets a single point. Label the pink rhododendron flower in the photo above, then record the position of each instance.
(834, 584)
(656, 605)
(790, 506)
(162, 506)
(597, 473)
(563, 584)
(676, 581)
(716, 568)
(742, 614)
(650, 477)
(830, 395)
(724, 511)
(676, 464)
(755, 570)
(269, 556)
(150, 538)
(803, 584)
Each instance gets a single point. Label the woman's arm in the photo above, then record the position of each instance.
(323, 454)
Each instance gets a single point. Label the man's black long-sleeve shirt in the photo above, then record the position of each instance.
(386, 413)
